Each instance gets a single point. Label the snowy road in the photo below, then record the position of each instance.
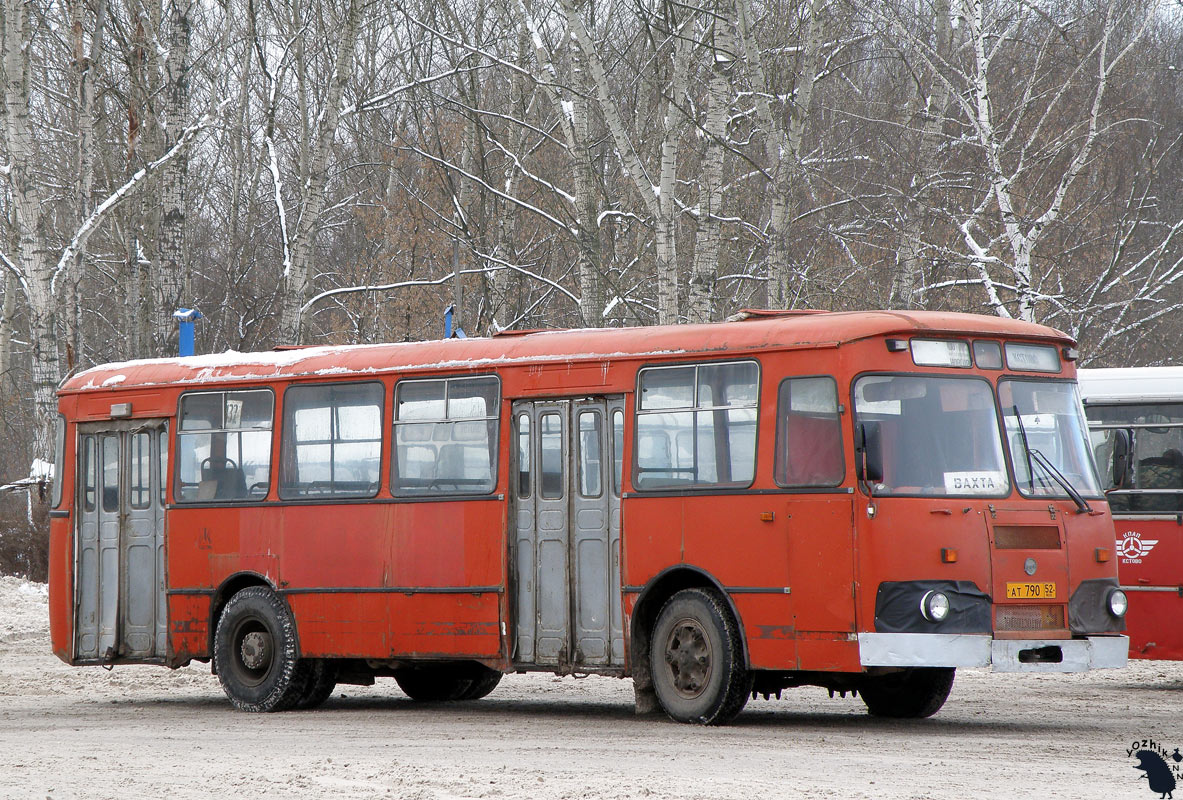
(148, 732)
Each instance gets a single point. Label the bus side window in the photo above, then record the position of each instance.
(445, 436)
(224, 446)
(696, 425)
(332, 440)
(808, 433)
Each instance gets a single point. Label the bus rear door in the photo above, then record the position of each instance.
(120, 612)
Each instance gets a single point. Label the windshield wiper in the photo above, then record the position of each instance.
(1082, 506)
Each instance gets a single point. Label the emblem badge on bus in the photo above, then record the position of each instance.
(1133, 547)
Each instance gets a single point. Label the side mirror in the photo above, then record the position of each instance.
(1122, 452)
(868, 453)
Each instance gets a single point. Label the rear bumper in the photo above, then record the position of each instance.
(1001, 655)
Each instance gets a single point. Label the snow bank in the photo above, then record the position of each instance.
(24, 608)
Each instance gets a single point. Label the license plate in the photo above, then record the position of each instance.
(1031, 591)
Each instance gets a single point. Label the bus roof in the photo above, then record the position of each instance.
(1131, 384)
(759, 331)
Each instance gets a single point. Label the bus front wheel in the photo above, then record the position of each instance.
(696, 658)
(255, 652)
(911, 693)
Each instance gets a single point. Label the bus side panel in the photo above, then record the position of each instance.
(651, 537)
(1150, 563)
(727, 536)
(748, 554)
(768, 628)
(398, 625)
(61, 586)
(61, 550)
(369, 580)
(188, 627)
(904, 542)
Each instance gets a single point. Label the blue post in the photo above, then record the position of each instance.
(449, 332)
(185, 317)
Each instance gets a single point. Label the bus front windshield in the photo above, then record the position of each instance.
(936, 435)
(1048, 438)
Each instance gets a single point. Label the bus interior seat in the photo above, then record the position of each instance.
(221, 482)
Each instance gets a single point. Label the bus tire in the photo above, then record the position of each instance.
(484, 681)
(913, 693)
(697, 661)
(256, 653)
(436, 683)
(322, 680)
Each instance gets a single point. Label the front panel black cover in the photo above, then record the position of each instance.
(1088, 609)
(897, 607)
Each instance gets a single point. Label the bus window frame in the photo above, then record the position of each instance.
(1133, 426)
(700, 488)
(841, 442)
(174, 435)
(953, 373)
(61, 426)
(383, 446)
(429, 495)
(1047, 377)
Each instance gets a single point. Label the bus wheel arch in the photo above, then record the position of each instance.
(650, 602)
(221, 596)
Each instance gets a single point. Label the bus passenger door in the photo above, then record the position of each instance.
(567, 533)
(120, 612)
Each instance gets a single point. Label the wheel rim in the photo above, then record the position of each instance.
(254, 652)
(688, 657)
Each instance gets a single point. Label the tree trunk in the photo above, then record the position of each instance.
(297, 279)
(701, 295)
(33, 260)
(84, 65)
(909, 271)
(7, 316)
(171, 289)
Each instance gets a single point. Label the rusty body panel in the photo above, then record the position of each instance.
(390, 578)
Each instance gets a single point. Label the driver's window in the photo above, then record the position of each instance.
(224, 446)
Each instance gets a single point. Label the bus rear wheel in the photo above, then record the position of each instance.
(696, 658)
(435, 683)
(912, 693)
(322, 680)
(256, 654)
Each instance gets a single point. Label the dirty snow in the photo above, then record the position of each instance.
(133, 732)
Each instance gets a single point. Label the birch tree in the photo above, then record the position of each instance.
(315, 145)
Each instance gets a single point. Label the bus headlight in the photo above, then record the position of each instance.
(934, 606)
(1118, 603)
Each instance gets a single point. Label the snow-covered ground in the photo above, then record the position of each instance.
(147, 732)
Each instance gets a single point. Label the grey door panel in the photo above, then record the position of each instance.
(567, 535)
(120, 609)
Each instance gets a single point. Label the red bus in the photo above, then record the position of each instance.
(850, 500)
(1136, 421)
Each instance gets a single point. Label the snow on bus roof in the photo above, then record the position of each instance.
(563, 346)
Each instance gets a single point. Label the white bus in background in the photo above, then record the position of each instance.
(1135, 419)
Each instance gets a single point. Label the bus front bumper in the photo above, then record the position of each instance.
(1001, 655)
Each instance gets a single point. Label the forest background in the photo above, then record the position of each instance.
(339, 171)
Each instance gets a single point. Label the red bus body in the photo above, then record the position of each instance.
(387, 581)
(1147, 502)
